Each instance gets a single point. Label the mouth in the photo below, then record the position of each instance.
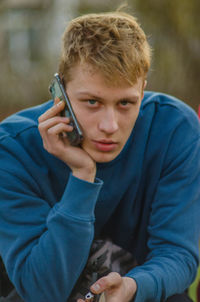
(105, 145)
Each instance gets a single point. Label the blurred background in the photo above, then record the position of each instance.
(31, 31)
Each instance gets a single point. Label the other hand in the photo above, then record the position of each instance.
(115, 288)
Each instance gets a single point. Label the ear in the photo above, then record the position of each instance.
(144, 86)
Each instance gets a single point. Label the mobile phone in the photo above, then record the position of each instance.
(57, 91)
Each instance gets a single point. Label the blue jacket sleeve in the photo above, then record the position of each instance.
(44, 248)
(173, 229)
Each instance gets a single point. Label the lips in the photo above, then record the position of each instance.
(105, 145)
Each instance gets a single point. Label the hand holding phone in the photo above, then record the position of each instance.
(57, 91)
(51, 124)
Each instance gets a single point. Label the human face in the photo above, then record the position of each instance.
(106, 113)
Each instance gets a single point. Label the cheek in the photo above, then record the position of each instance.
(85, 120)
(79, 114)
(129, 122)
(127, 126)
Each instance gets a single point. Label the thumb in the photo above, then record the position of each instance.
(111, 280)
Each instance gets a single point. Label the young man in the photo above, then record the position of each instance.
(134, 179)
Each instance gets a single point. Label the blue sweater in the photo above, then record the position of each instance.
(147, 200)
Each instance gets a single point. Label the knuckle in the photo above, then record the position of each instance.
(46, 147)
(52, 131)
(40, 128)
(41, 118)
(114, 274)
(114, 278)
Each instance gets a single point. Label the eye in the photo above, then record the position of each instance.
(92, 102)
(124, 102)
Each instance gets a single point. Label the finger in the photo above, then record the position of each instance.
(56, 138)
(45, 125)
(51, 136)
(59, 128)
(80, 300)
(56, 101)
(111, 280)
(53, 111)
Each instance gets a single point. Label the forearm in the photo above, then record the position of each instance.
(173, 229)
(52, 268)
(45, 265)
(162, 276)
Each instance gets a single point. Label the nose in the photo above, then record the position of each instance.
(108, 122)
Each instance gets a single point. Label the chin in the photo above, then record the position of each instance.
(104, 160)
(103, 157)
(100, 156)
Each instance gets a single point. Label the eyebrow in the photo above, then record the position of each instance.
(92, 96)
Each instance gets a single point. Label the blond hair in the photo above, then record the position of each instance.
(113, 43)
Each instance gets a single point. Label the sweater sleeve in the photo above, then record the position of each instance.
(173, 230)
(44, 248)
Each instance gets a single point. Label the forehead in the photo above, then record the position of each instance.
(85, 78)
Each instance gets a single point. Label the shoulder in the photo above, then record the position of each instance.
(23, 120)
(169, 113)
(166, 101)
(21, 146)
(20, 140)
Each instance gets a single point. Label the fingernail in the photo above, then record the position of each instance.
(59, 103)
(96, 287)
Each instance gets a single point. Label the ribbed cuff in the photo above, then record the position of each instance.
(146, 286)
(79, 198)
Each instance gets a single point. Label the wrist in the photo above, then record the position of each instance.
(87, 174)
(130, 287)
